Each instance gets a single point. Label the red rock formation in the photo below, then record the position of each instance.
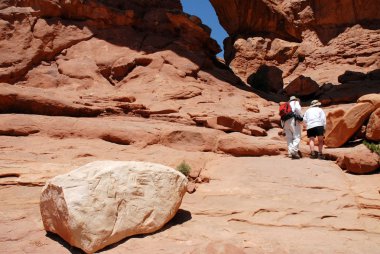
(240, 145)
(360, 161)
(241, 17)
(39, 101)
(138, 80)
(373, 126)
(318, 39)
(342, 125)
(37, 31)
(345, 127)
(90, 52)
(301, 86)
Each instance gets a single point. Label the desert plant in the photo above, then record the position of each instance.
(374, 147)
(184, 168)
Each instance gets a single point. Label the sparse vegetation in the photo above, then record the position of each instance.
(374, 147)
(184, 168)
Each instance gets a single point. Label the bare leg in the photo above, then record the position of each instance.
(320, 144)
(311, 144)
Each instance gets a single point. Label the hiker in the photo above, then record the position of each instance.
(292, 128)
(315, 120)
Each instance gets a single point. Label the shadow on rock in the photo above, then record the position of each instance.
(181, 217)
(376, 172)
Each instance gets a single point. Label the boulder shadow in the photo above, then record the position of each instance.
(375, 172)
(181, 217)
(58, 239)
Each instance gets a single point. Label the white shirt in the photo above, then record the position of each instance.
(314, 117)
(296, 107)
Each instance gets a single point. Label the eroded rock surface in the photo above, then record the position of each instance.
(138, 80)
(103, 202)
(277, 202)
(373, 126)
(343, 128)
(322, 40)
(360, 161)
(342, 125)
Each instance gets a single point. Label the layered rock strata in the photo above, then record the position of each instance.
(35, 33)
(320, 40)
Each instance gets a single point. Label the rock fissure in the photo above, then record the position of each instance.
(317, 187)
(9, 175)
(218, 213)
(328, 228)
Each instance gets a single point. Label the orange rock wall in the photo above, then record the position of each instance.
(319, 39)
(32, 32)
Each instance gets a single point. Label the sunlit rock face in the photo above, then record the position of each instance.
(44, 29)
(103, 202)
(318, 39)
(141, 58)
(137, 80)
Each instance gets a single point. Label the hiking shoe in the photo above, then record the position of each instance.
(313, 155)
(295, 156)
(321, 157)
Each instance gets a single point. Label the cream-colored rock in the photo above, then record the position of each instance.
(103, 202)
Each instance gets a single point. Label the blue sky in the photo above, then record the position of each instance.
(204, 10)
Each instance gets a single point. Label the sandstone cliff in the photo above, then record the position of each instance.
(111, 56)
(317, 39)
(36, 33)
(86, 80)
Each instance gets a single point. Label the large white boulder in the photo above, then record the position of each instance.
(103, 202)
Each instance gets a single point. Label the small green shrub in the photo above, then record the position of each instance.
(374, 147)
(184, 168)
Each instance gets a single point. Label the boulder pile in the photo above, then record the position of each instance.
(342, 125)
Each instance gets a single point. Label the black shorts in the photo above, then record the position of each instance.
(316, 131)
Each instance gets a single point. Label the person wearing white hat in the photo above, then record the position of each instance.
(292, 128)
(315, 120)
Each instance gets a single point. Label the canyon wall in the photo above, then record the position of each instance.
(330, 42)
(138, 58)
(33, 32)
(138, 80)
